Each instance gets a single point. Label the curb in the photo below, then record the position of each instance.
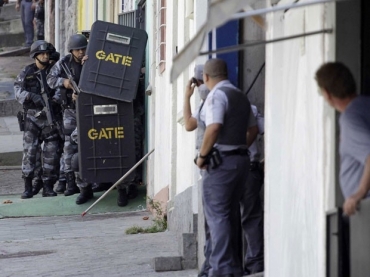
(15, 52)
(9, 107)
(11, 167)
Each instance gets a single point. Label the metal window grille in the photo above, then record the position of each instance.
(127, 19)
(161, 34)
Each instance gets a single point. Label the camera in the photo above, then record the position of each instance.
(194, 81)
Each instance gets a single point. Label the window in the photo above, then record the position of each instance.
(161, 35)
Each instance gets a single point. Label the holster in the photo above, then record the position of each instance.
(213, 158)
(20, 116)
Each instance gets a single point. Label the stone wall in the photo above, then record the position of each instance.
(67, 23)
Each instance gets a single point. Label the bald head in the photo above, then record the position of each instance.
(216, 69)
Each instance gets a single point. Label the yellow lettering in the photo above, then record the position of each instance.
(106, 133)
(117, 57)
(109, 130)
(103, 134)
(128, 61)
(114, 58)
(110, 57)
(92, 134)
(100, 55)
(120, 132)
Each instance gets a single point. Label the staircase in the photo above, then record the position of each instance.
(11, 30)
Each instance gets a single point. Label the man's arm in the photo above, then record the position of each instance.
(252, 133)
(53, 79)
(17, 5)
(21, 95)
(190, 122)
(350, 205)
(209, 139)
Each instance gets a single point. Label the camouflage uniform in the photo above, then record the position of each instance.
(63, 96)
(40, 19)
(37, 130)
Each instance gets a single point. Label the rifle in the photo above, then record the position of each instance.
(48, 110)
(75, 87)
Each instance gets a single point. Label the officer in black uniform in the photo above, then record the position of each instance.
(58, 79)
(37, 129)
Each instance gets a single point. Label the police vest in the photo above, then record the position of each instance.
(235, 126)
(31, 84)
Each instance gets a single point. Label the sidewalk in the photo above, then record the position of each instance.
(95, 245)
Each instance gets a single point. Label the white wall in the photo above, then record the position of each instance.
(172, 164)
(299, 142)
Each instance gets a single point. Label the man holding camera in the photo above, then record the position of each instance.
(230, 129)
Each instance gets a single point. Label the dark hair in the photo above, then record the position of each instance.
(336, 79)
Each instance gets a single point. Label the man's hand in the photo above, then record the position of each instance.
(67, 84)
(200, 163)
(37, 100)
(350, 206)
(17, 7)
(74, 96)
(189, 90)
(85, 58)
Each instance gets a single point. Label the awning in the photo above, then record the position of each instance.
(219, 12)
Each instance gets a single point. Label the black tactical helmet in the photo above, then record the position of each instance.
(76, 42)
(39, 46)
(54, 56)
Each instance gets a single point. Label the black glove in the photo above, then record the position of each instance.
(37, 99)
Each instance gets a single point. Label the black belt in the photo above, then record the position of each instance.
(241, 152)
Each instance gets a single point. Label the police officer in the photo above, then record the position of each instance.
(37, 185)
(230, 129)
(192, 122)
(58, 79)
(251, 207)
(37, 130)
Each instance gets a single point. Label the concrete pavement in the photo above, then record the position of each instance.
(95, 245)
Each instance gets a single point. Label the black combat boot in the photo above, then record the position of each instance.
(27, 188)
(48, 189)
(97, 187)
(61, 187)
(72, 188)
(122, 199)
(37, 185)
(85, 195)
(132, 191)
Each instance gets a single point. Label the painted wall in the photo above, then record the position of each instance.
(299, 142)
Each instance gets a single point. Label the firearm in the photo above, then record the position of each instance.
(48, 110)
(75, 88)
(21, 116)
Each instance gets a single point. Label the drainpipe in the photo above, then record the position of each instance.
(57, 20)
(96, 10)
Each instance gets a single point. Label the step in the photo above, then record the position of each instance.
(8, 12)
(9, 107)
(13, 26)
(9, 40)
